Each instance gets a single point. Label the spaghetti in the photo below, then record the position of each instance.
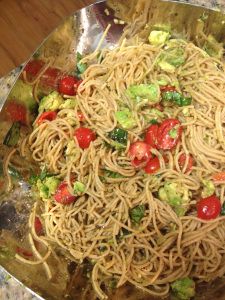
(162, 246)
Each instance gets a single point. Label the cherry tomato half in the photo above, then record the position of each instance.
(68, 85)
(167, 88)
(63, 195)
(38, 226)
(84, 136)
(169, 134)
(153, 165)
(182, 160)
(139, 153)
(151, 135)
(209, 208)
(48, 115)
(16, 112)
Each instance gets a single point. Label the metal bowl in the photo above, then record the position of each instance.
(82, 32)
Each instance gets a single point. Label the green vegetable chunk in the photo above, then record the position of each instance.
(78, 188)
(172, 57)
(176, 195)
(125, 118)
(81, 67)
(158, 37)
(173, 97)
(208, 188)
(183, 288)
(48, 186)
(149, 92)
(68, 104)
(51, 102)
(13, 135)
(119, 135)
(137, 213)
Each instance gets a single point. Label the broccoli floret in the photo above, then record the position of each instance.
(208, 188)
(158, 37)
(51, 102)
(68, 103)
(176, 195)
(48, 186)
(149, 92)
(125, 118)
(184, 288)
(78, 188)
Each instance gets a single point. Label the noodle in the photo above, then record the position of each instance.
(97, 226)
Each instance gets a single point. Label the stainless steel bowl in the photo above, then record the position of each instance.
(82, 32)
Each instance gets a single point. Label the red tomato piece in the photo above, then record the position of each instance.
(80, 116)
(84, 136)
(169, 134)
(219, 177)
(167, 88)
(63, 195)
(209, 208)
(153, 165)
(139, 153)
(182, 160)
(38, 226)
(16, 112)
(48, 115)
(24, 252)
(68, 85)
(151, 135)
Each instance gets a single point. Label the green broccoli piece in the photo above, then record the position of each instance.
(208, 188)
(78, 188)
(68, 104)
(183, 288)
(176, 195)
(149, 92)
(51, 102)
(157, 37)
(48, 186)
(125, 118)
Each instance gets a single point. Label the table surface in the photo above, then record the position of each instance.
(25, 23)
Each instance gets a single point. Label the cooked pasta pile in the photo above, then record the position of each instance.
(119, 220)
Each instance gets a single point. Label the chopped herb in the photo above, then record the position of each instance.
(223, 209)
(137, 213)
(111, 174)
(12, 135)
(119, 135)
(113, 283)
(153, 121)
(102, 248)
(33, 179)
